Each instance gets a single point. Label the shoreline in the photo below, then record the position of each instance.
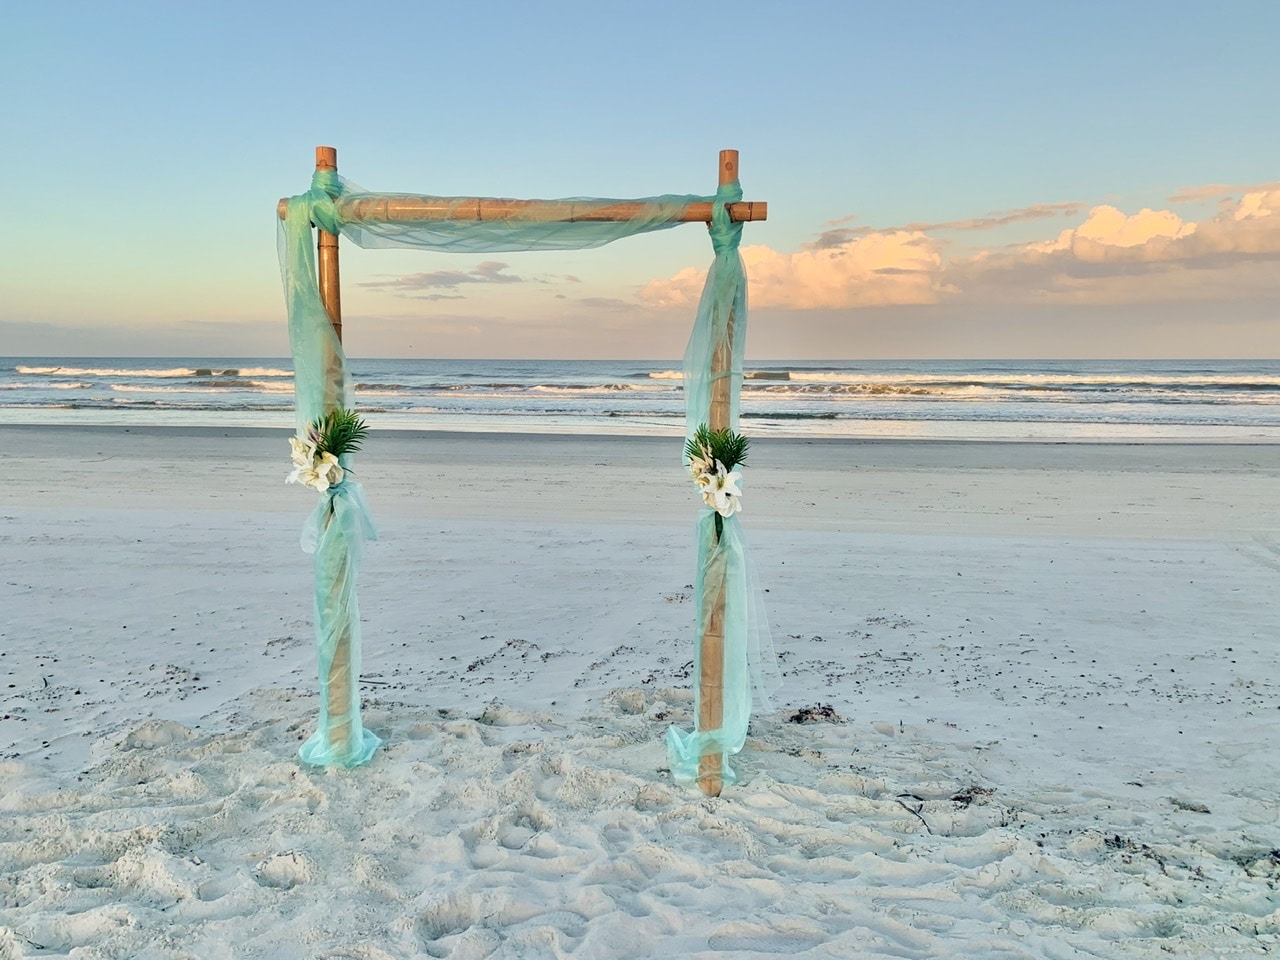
(676, 438)
(857, 431)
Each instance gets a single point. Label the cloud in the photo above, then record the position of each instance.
(1152, 255)
(1109, 234)
(490, 271)
(1040, 211)
(1216, 191)
(1111, 257)
(1246, 230)
(873, 270)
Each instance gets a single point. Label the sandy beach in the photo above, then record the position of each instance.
(1052, 674)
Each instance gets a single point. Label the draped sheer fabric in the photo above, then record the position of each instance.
(723, 561)
(339, 525)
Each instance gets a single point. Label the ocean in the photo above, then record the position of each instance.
(1056, 400)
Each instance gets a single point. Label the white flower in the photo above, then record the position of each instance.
(720, 490)
(302, 452)
(324, 473)
(700, 465)
(318, 470)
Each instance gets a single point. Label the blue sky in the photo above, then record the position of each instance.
(944, 179)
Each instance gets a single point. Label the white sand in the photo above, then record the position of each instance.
(1056, 669)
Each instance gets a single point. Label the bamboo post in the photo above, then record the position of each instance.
(711, 643)
(327, 253)
(342, 682)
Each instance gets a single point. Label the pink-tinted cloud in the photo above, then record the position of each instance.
(874, 270)
(1149, 256)
(1217, 191)
(1113, 256)
(1249, 229)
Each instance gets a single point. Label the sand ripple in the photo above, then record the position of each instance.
(512, 834)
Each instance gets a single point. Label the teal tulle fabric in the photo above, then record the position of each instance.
(336, 199)
(340, 524)
(723, 562)
(460, 235)
(320, 378)
(724, 296)
(336, 530)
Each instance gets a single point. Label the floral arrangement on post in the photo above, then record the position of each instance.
(315, 456)
(712, 456)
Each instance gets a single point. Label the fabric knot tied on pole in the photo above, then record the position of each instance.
(726, 234)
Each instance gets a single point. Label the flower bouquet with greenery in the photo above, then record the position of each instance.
(712, 456)
(316, 455)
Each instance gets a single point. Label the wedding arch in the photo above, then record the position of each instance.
(733, 656)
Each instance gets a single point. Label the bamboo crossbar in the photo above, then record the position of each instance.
(403, 208)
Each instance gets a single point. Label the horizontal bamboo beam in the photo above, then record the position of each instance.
(402, 208)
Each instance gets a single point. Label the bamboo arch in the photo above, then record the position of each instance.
(402, 209)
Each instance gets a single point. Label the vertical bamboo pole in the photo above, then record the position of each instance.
(711, 644)
(327, 253)
(341, 681)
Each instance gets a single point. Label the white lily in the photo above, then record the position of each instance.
(325, 472)
(720, 490)
(302, 452)
(321, 472)
(701, 465)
